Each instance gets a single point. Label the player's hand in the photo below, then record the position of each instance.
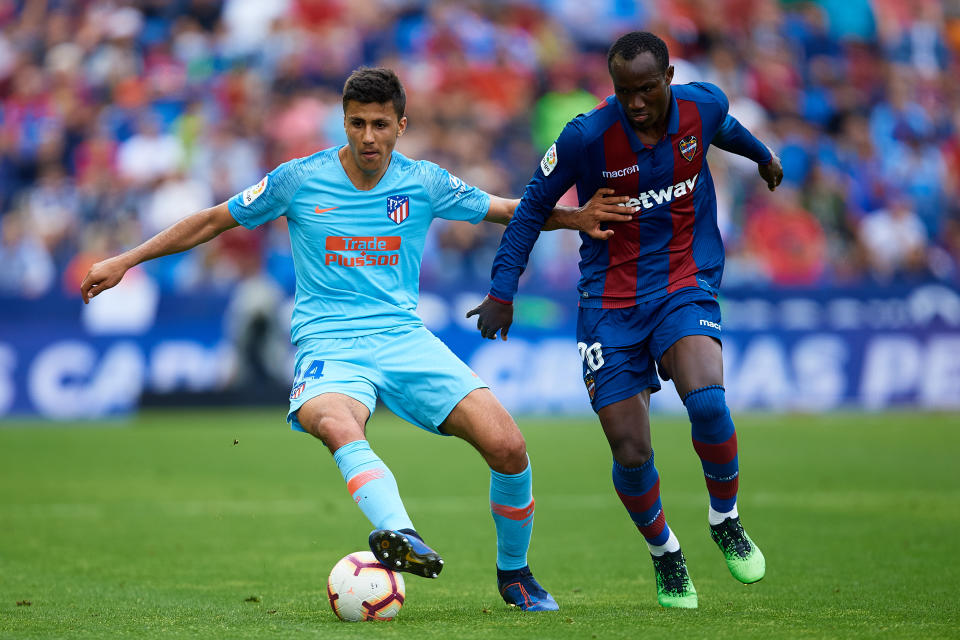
(772, 172)
(102, 276)
(603, 207)
(493, 316)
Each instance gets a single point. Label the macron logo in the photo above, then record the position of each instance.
(650, 199)
(712, 325)
(619, 173)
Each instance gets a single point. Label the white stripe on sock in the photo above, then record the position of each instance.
(715, 517)
(672, 544)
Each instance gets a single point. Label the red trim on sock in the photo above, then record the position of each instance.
(720, 453)
(723, 490)
(639, 504)
(362, 478)
(514, 513)
(655, 528)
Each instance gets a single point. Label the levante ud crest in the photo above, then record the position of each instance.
(398, 208)
(688, 147)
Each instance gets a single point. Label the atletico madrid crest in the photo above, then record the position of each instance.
(688, 147)
(297, 390)
(398, 208)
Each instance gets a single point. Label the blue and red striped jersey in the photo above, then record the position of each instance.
(673, 240)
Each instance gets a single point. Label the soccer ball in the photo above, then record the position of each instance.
(360, 588)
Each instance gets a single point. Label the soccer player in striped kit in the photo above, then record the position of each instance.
(648, 292)
(358, 216)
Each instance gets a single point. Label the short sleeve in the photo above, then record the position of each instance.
(450, 197)
(270, 198)
(717, 93)
(714, 109)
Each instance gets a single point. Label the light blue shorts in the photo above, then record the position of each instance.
(410, 370)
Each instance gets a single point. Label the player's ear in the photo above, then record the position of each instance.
(402, 126)
(668, 74)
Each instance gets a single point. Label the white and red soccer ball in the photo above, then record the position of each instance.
(360, 588)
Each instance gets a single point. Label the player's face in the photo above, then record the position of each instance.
(372, 132)
(642, 89)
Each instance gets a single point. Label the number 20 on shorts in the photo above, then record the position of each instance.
(592, 355)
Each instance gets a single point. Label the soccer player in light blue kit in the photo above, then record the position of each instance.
(358, 217)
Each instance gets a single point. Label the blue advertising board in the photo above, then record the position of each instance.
(809, 351)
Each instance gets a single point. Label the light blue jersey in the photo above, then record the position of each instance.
(356, 253)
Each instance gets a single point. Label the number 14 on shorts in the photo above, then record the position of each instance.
(314, 371)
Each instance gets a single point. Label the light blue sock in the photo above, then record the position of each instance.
(511, 502)
(372, 486)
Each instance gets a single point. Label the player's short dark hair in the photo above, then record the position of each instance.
(630, 45)
(375, 85)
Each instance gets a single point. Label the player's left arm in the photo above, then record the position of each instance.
(732, 136)
(602, 207)
(736, 138)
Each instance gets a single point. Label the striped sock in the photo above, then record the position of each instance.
(715, 441)
(511, 502)
(639, 490)
(372, 486)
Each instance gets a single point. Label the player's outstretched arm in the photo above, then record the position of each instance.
(185, 234)
(601, 208)
(493, 316)
(735, 138)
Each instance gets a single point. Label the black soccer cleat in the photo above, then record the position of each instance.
(519, 588)
(743, 556)
(407, 552)
(674, 587)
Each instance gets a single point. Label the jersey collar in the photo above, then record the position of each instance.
(673, 122)
(346, 179)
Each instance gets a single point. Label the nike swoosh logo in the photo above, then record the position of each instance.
(319, 210)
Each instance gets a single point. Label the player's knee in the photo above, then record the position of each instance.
(508, 453)
(333, 430)
(631, 452)
(706, 404)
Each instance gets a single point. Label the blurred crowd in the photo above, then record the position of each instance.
(118, 118)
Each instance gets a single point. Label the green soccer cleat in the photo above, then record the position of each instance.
(743, 556)
(674, 587)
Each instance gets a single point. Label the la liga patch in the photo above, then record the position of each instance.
(549, 161)
(252, 193)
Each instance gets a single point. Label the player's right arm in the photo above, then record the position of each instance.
(185, 234)
(264, 201)
(557, 172)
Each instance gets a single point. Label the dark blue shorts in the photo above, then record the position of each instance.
(621, 348)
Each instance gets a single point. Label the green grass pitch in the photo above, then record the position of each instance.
(224, 524)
